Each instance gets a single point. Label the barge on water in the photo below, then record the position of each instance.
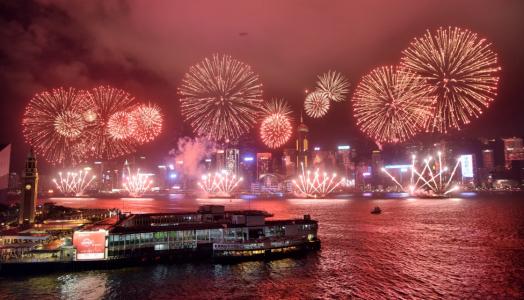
(209, 233)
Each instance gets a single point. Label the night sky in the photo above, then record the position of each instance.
(145, 47)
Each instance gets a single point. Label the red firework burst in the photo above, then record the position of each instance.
(106, 102)
(53, 124)
(147, 122)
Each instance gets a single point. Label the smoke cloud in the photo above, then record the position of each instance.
(190, 153)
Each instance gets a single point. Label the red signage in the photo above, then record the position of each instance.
(90, 244)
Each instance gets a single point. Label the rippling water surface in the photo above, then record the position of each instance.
(417, 248)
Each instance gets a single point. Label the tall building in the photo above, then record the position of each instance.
(376, 167)
(302, 144)
(289, 159)
(488, 160)
(5, 160)
(376, 161)
(263, 163)
(513, 151)
(29, 190)
(248, 169)
(220, 160)
(344, 164)
(232, 160)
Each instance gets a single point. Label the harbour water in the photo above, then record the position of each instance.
(472, 246)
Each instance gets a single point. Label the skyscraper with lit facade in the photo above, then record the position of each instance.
(232, 160)
(263, 163)
(513, 151)
(302, 144)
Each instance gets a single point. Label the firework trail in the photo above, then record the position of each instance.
(74, 183)
(137, 183)
(316, 184)
(220, 183)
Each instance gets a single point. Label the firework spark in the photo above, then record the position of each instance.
(392, 105)
(316, 184)
(121, 125)
(334, 86)
(53, 124)
(316, 104)
(430, 178)
(137, 183)
(108, 101)
(460, 68)
(276, 127)
(221, 98)
(276, 106)
(74, 183)
(275, 130)
(220, 184)
(147, 122)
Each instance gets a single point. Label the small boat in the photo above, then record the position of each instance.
(376, 210)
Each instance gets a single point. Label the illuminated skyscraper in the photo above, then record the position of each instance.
(29, 190)
(302, 144)
(488, 160)
(289, 159)
(232, 160)
(376, 161)
(513, 151)
(220, 160)
(263, 163)
(344, 164)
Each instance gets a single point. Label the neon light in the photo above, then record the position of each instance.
(466, 164)
(398, 167)
(343, 147)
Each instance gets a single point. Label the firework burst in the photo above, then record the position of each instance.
(276, 106)
(53, 124)
(220, 184)
(316, 104)
(121, 125)
(137, 183)
(429, 177)
(391, 105)
(221, 98)
(316, 184)
(460, 69)
(69, 124)
(276, 128)
(73, 183)
(101, 141)
(334, 86)
(147, 123)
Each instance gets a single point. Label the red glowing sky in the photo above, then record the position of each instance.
(146, 46)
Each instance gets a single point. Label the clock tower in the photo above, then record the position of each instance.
(29, 190)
